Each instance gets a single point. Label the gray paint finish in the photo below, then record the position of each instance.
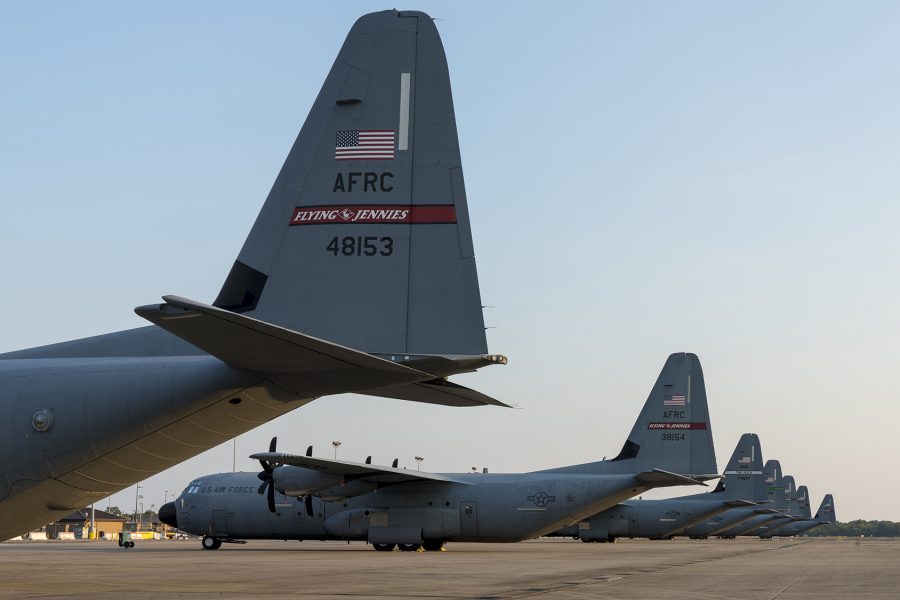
(387, 505)
(391, 311)
(742, 484)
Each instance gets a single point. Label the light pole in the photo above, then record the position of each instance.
(335, 443)
(419, 460)
(165, 526)
(137, 490)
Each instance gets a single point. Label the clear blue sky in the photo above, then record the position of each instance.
(643, 178)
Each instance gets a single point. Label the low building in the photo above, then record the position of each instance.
(107, 524)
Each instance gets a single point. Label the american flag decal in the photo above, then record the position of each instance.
(745, 460)
(368, 144)
(674, 401)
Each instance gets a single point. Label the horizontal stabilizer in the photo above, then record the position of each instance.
(659, 478)
(441, 366)
(740, 503)
(352, 470)
(249, 344)
(438, 391)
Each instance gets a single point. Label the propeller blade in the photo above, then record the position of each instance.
(273, 443)
(309, 451)
(369, 460)
(271, 498)
(262, 487)
(309, 508)
(394, 464)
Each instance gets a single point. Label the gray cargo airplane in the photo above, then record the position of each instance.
(742, 485)
(798, 511)
(670, 444)
(824, 516)
(785, 506)
(358, 276)
(738, 516)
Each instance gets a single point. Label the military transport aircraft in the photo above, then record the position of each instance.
(738, 516)
(824, 516)
(670, 444)
(798, 511)
(358, 276)
(742, 485)
(785, 505)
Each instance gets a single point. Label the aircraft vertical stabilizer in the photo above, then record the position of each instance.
(673, 432)
(743, 478)
(364, 239)
(826, 510)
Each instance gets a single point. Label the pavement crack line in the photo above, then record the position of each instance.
(778, 595)
(604, 579)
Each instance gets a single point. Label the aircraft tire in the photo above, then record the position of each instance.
(409, 547)
(433, 545)
(210, 543)
(384, 547)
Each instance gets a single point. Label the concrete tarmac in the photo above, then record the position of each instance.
(705, 569)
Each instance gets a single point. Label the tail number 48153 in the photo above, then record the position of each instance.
(361, 246)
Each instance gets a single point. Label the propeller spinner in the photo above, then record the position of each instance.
(267, 484)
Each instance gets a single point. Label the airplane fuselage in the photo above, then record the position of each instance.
(79, 429)
(653, 519)
(480, 508)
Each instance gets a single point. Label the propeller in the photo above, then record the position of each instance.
(308, 500)
(266, 477)
(267, 485)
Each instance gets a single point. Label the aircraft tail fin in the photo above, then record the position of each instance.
(826, 510)
(774, 480)
(803, 502)
(743, 477)
(672, 432)
(790, 496)
(364, 239)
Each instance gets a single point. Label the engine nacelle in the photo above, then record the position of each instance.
(297, 481)
(348, 490)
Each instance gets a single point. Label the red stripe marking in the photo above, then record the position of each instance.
(362, 214)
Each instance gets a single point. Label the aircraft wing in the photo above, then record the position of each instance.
(661, 477)
(353, 470)
(253, 345)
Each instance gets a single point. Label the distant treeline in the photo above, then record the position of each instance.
(858, 528)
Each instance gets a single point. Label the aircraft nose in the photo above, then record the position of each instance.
(167, 514)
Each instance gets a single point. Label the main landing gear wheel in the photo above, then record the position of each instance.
(384, 547)
(210, 543)
(433, 545)
(409, 547)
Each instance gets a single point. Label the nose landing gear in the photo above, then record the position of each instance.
(211, 543)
